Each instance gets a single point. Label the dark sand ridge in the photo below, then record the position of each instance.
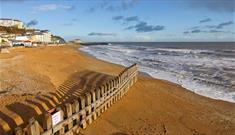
(151, 106)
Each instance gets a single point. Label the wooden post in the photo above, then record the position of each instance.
(33, 128)
(102, 90)
(75, 109)
(88, 107)
(87, 99)
(94, 115)
(102, 108)
(111, 101)
(110, 85)
(98, 96)
(124, 75)
(135, 78)
(114, 98)
(68, 112)
(81, 100)
(127, 73)
(119, 95)
(97, 93)
(47, 121)
(119, 80)
(75, 106)
(98, 112)
(115, 82)
(132, 81)
(19, 131)
(107, 89)
(93, 98)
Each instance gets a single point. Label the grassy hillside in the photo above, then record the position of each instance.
(13, 30)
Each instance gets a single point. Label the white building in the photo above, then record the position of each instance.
(36, 37)
(46, 36)
(21, 41)
(42, 36)
(77, 41)
(11, 23)
(21, 38)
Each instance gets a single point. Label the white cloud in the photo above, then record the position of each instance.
(52, 7)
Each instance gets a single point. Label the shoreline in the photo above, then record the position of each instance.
(158, 106)
(141, 73)
(202, 90)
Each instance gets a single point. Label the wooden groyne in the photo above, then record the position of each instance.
(70, 118)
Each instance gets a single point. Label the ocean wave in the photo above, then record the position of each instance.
(206, 72)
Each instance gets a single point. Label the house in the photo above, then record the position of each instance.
(11, 23)
(14, 31)
(77, 41)
(36, 37)
(21, 41)
(46, 36)
(40, 36)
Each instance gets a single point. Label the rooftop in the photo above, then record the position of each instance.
(10, 19)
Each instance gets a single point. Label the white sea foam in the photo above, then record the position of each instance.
(205, 74)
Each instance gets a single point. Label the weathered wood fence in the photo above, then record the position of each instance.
(82, 111)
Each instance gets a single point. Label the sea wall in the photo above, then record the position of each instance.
(70, 118)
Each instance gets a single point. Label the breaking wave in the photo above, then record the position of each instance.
(208, 72)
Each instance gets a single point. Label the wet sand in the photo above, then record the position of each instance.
(151, 107)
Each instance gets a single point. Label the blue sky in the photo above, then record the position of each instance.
(128, 20)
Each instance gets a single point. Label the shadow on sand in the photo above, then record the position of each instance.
(18, 113)
(119, 133)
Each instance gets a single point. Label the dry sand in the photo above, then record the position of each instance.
(151, 107)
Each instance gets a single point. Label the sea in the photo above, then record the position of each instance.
(206, 68)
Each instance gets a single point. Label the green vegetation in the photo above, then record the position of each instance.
(14, 30)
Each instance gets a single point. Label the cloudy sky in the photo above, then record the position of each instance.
(128, 20)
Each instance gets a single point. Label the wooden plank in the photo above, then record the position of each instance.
(47, 121)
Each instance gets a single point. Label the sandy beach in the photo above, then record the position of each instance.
(151, 107)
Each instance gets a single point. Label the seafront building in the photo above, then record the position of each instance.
(12, 32)
(11, 23)
(77, 40)
(21, 41)
(40, 36)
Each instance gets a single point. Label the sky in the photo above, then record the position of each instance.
(128, 20)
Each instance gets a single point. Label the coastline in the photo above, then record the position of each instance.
(152, 105)
(198, 76)
(88, 55)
